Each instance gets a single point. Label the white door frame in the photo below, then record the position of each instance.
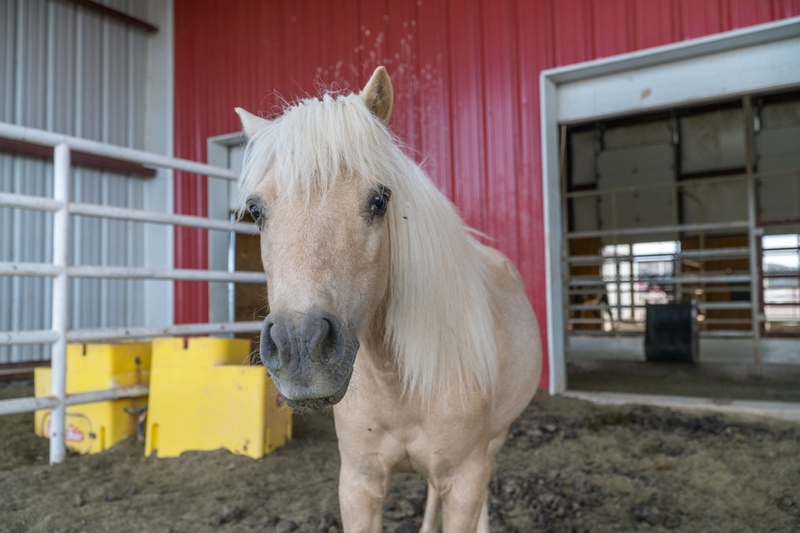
(722, 66)
(221, 198)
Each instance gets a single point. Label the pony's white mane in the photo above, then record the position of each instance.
(439, 322)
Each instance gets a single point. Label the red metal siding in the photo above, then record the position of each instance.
(466, 92)
(653, 23)
(611, 33)
(466, 76)
(434, 93)
(499, 55)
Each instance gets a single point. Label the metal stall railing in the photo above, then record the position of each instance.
(749, 281)
(61, 271)
(695, 283)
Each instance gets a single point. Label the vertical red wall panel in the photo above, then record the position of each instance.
(573, 28)
(401, 49)
(191, 245)
(466, 76)
(653, 23)
(501, 125)
(785, 9)
(700, 17)
(371, 39)
(747, 12)
(466, 93)
(610, 29)
(536, 53)
(434, 94)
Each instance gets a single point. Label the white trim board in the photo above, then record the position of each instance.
(755, 59)
(781, 410)
(221, 198)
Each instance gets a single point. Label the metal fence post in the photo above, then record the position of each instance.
(58, 355)
(753, 233)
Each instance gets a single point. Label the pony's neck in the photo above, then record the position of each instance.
(372, 336)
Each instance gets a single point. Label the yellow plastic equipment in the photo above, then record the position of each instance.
(94, 427)
(203, 396)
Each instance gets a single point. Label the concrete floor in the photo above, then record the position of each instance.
(683, 380)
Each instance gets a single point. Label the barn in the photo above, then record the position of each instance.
(634, 159)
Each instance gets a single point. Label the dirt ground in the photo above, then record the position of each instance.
(568, 466)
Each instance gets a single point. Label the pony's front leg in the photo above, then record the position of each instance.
(464, 500)
(361, 498)
(483, 521)
(430, 522)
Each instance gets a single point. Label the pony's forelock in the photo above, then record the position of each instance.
(439, 323)
(315, 142)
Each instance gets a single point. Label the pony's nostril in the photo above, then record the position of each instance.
(318, 341)
(317, 338)
(334, 342)
(269, 348)
(330, 346)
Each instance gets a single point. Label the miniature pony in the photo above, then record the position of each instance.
(384, 306)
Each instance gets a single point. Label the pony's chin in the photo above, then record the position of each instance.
(313, 404)
(318, 404)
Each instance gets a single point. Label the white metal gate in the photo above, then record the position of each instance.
(60, 271)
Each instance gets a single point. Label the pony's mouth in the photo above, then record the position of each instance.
(309, 356)
(312, 404)
(319, 404)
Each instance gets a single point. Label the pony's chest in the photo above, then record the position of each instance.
(399, 448)
(403, 438)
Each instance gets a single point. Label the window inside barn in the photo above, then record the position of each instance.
(635, 275)
(781, 272)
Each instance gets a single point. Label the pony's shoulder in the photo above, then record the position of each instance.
(499, 265)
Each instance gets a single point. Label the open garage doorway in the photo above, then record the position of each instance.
(672, 183)
(657, 209)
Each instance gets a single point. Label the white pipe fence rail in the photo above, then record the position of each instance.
(50, 270)
(61, 271)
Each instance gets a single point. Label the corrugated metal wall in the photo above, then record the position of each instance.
(466, 76)
(73, 71)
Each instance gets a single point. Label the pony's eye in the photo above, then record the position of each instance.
(255, 211)
(379, 201)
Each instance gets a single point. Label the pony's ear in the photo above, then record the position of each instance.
(250, 123)
(378, 94)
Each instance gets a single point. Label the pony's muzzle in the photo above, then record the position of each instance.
(287, 340)
(309, 356)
